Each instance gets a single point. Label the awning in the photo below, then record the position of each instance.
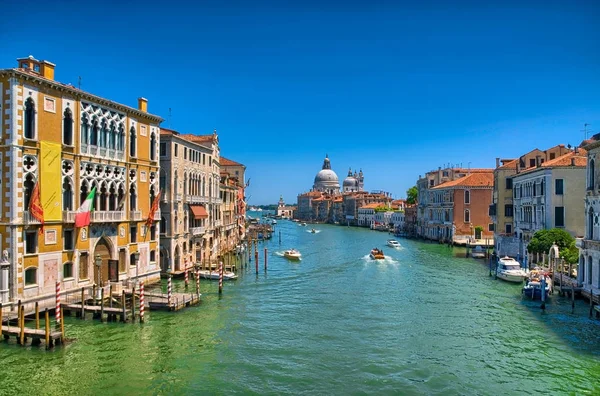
(199, 212)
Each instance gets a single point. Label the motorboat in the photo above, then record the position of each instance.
(393, 243)
(214, 274)
(510, 270)
(533, 284)
(303, 224)
(313, 231)
(377, 254)
(274, 221)
(478, 252)
(292, 254)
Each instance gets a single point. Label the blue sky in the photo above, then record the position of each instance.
(393, 88)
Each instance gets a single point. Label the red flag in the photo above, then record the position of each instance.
(153, 210)
(35, 205)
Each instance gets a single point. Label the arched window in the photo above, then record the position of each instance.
(132, 198)
(67, 196)
(132, 142)
(94, 134)
(588, 275)
(467, 197)
(591, 175)
(153, 146)
(185, 184)
(112, 144)
(67, 270)
(163, 225)
(29, 119)
(590, 225)
(68, 127)
(467, 216)
(121, 202)
(31, 276)
(84, 191)
(112, 197)
(28, 189)
(85, 129)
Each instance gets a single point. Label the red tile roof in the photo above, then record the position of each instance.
(227, 162)
(471, 180)
(199, 138)
(509, 165)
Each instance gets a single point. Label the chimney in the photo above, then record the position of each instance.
(143, 104)
(537, 161)
(572, 161)
(497, 162)
(47, 69)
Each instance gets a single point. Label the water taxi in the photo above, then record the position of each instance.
(393, 243)
(510, 270)
(313, 231)
(377, 254)
(292, 254)
(303, 224)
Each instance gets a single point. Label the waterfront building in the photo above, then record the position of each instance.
(237, 172)
(548, 195)
(502, 209)
(64, 143)
(434, 209)
(458, 207)
(191, 203)
(588, 273)
(366, 215)
(397, 220)
(283, 210)
(353, 201)
(410, 221)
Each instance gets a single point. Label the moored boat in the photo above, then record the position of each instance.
(377, 254)
(478, 252)
(208, 274)
(393, 243)
(313, 231)
(538, 280)
(292, 254)
(510, 270)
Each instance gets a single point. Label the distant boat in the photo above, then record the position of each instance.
(207, 274)
(478, 252)
(292, 254)
(313, 231)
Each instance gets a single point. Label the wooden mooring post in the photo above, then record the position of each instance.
(37, 315)
(82, 303)
(543, 291)
(265, 253)
(123, 307)
(221, 276)
(572, 298)
(47, 326)
(22, 325)
(102, 304)
(133, 304)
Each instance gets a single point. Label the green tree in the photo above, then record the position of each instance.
(542, 241)
(411, 195)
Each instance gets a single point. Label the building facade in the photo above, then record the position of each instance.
(588, 272)
(549, 195)
(286, 212)
(191, 202)
(53, 131)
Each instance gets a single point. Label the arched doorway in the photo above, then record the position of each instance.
(164, 259)
(104, 250)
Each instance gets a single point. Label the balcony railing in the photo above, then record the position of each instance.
(108, 216)
(197, 230)
(68, 216)
(135, 215)
(29, 219)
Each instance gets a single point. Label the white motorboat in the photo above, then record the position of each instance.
(510, 270)
(274, 221)
(478, 252)
(537, 279)
(313, 231)
(303, 224)
(393, 243)
(292, 254)
(214, 274)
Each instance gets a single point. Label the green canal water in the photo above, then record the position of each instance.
(423, 322)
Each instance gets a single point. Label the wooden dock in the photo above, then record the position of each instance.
(159, 301)
(23, 333)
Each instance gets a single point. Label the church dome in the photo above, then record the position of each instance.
(327, 180)
(350, 182)
(326, 175)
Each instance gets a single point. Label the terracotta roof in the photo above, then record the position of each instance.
(565, 160)
(199, 138)
(227, 162)
(338, 199)
(509, 165)
(371, 206)
(471, 180)
(167, 131)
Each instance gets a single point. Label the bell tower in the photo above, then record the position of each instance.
(281, 203)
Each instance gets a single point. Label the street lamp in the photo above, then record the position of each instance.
(136, 257)
(98, 262)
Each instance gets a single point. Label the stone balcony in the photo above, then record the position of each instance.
(29, 219)
(135, 215)
(196, 231)
(108, 216)
(587, 244)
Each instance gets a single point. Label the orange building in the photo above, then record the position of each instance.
(69, 142)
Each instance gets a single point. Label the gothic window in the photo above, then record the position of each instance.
(67, 190)
(68, 127)
(29, 119)
(162, 182)
(121, 197)
(153, 146)
(591, 175)
(28, 189)
(152, 195)
(121, 146)
(132, 142)
(85, 128)
(185, 183)
(590, 230)
(112, 143)
(112, 197)
(85, 190)
(94, 133)
(132, 197)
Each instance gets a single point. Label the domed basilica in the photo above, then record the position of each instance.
(327, 181)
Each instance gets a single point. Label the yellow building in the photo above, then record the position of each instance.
(70, 142)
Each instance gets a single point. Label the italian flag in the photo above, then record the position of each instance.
(82, 217)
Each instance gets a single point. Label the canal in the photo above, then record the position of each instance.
(422, 321)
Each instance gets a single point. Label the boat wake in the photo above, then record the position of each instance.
(387, 260)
